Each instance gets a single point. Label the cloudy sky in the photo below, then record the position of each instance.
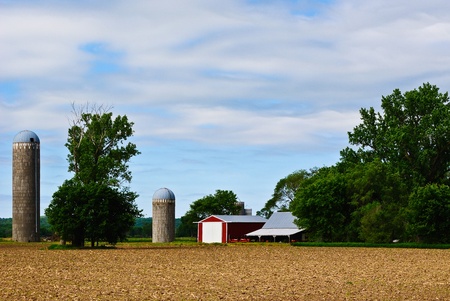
(231, 95)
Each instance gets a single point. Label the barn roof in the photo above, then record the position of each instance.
(274, 232)
(279, 224)
(238, 218)
(280, 220)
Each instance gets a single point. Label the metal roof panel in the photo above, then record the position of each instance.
(240, 218)
(281, 220)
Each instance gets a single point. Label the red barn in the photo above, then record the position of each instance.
(225, 228)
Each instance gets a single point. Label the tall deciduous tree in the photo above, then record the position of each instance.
(412, 133)
(222, 202)
(284, 192)
(95, 204)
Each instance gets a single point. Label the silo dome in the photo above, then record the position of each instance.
(26, 136)
(164, 194)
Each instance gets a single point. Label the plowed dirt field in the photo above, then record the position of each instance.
(232, 272)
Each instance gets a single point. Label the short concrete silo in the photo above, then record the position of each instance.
(163, 220)
(26, 187)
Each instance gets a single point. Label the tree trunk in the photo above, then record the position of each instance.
(78, 238)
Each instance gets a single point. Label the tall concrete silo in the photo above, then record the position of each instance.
(163, 221)
(26, 187)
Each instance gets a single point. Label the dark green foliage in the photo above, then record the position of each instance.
(5, 227)
(94, 204)
(430, 213)
(222, 202)
(393, 186)
(371, 245)
(381, 223)
(142, 228)
(378, 196)
(412, 133)
(46, 229)
(187, 227)
(323, 207)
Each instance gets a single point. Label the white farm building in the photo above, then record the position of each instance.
(279, 227)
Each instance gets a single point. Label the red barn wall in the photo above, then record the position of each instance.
(229, 230)
(238, 230)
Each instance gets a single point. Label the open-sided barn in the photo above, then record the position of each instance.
(279, 227)
(226, 228)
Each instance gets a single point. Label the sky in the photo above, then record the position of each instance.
(231, 95)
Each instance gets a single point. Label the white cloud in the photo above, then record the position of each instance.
(290, 75)
(226, 126)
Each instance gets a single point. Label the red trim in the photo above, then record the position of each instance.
(212, 218)
(224, 232)
(200, 232)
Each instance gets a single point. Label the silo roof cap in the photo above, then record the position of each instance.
(164, 194)
(26, 136)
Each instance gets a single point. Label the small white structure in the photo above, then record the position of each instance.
(280, 225)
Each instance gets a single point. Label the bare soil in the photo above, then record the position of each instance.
(217, 272)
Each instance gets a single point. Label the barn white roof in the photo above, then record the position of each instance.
(274, 232)
(279, 224)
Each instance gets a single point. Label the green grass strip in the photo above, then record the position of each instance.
(371, 245)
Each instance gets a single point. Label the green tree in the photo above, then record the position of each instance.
(378, 195)
(95, 204)
(284, 192)
(5, 227)
(223, 202)
(429, 210)
(323, 207)
(411, 133)
(399, 150)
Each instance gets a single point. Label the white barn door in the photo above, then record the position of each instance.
(212, 232)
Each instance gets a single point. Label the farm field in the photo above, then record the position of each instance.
(222, 272)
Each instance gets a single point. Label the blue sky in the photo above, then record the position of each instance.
(230, 95)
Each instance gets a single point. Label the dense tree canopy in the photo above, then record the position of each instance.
(223, 202)
(95, 204)
(430, 213)
(324, 208)
(392, 184)
(412, 133)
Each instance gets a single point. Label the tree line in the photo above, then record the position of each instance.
(391, 183)
(141, 228)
